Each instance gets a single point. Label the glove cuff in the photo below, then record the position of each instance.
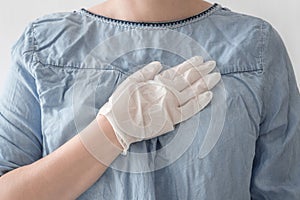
(98, 145)
(123, 139)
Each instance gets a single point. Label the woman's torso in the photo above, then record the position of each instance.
(80, 59)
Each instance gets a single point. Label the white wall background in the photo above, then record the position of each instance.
(15, 15)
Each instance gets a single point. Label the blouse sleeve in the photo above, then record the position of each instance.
(20, 116)
(276, 169)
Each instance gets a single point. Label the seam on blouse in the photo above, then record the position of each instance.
(225, 72)
(80, 68)
(35, 44)
(30, 48)
(263, 48)
(239, 71)
(262, 30)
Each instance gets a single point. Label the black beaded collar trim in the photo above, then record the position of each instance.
(151, 24)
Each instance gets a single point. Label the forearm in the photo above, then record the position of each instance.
(64, 174)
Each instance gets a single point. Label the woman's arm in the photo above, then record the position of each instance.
(276, 171)
(75, 166)
(64, 174)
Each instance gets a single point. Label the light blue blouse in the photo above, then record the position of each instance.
(244, 145)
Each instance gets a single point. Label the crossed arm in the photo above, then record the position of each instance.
(72, 168)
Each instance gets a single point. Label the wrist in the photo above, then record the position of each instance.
(108, 130)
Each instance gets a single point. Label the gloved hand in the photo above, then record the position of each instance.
(148, 104)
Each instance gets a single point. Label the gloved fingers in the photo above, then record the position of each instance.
(206, 67)
(147, 72)
(193, 106)
(193, 74)
(181, 68)
(202, 85)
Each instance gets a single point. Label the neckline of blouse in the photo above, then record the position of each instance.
(170, 24)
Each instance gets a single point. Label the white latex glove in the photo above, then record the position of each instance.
(148, 104)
